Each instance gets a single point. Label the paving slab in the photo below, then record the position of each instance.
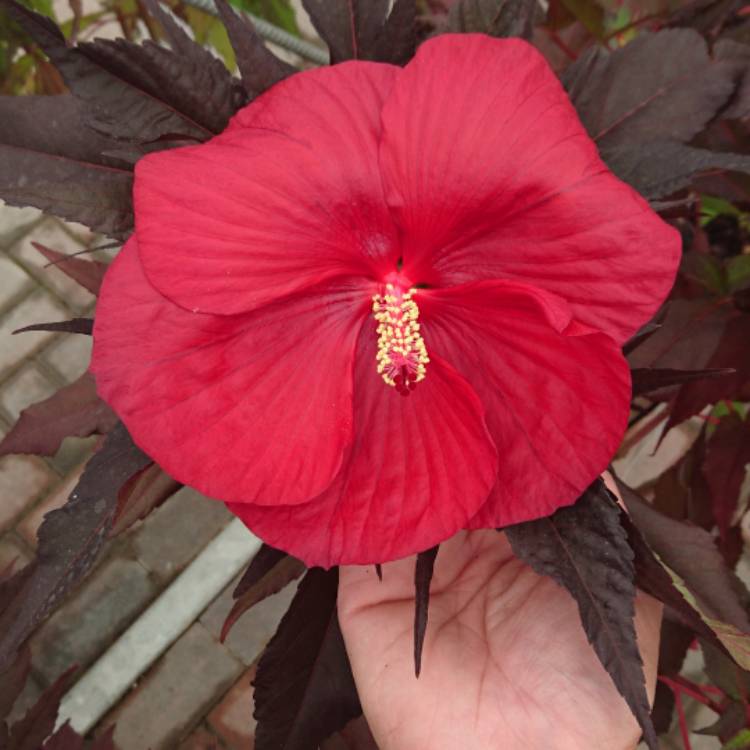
(28, 386)
(232, 719)
(255, 628)
(177, 531)
(69, 355)
(85, 626)
(14, 282)
(23, 479)
(51, 233)
(177, 693)
(16, 221)
(13, 551)
(38, 307)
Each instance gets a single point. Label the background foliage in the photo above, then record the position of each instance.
(663, 89)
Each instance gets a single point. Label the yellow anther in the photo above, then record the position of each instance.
(402, 355)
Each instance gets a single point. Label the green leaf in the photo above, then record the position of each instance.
(738, 271)
(589, 13)
(740, 741)
(278, 12)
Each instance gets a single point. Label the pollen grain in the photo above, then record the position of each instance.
(402, 356)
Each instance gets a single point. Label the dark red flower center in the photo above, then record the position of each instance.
(402, 356)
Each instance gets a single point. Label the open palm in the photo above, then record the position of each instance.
(506, 664)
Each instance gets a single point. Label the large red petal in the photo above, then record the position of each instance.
(420, 468)
(556, 394)
(254, 407)
(289, 196)
(491, 175)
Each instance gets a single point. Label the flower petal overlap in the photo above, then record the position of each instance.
(385, 304)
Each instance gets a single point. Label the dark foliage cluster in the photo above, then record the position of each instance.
(669, 113)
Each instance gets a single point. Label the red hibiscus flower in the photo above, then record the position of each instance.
(386, 304)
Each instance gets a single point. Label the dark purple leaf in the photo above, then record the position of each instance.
(639, 337)
(660, 168)
(706, 16)
(397, 40)
(265, 560)
(727, 454)
(120, 83)
(144, 492)
(730, 722)
(686, 339)
(53, 125)
(30, 732)
(731, 351)
(652, 577)
(363, 30)
(75, 325)
(88, 273)
(12, 681)
(71, 538)
(691, 553)
(98, 196)
(210, 94)
(304, 688)
(649, 379)
(422, 578)
(661, 86)
(74, 411)
(724, 673)
(737, 54)
(259, 67)
(673, 647)
(65, 738)
(500, 18)
(584, 548)
(269, 572)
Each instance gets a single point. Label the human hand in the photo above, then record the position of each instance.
(506, 664)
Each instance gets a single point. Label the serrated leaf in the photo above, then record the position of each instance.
(38, 723)
(724, 673)
(422, 577)
(210, 94)
(584, 549)
(725, 467)
(84, 326)
(70, 538)
(116, 80)
(647, 379)
(690, 553)
(74, 411)
(304, 688)
(100, 197)
(660, 168)
(87, 273)
(269, 572)
(653, 578)
(363, 29)
(259, 67)
(499, 18)
(144, 492)
(53, 125)
(661, 86)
